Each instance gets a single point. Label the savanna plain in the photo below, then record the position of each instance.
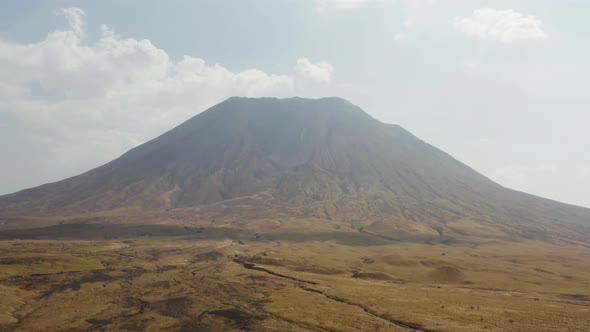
(98, 272)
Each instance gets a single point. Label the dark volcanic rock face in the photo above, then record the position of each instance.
(293, 152)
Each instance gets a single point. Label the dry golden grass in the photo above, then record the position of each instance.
(291, 279)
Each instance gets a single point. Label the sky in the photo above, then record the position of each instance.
(500, 85)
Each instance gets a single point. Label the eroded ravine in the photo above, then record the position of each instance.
(301, 282)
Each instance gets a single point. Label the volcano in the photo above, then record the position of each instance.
(325, 158)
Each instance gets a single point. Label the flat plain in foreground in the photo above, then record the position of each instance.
(282, 281)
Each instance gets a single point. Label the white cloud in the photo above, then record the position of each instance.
(72, 105)
(320, 72)
(348, 4)
(504, 26)
(412, 10)
(74, 17)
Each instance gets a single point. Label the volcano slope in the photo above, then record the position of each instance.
(290, 214)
